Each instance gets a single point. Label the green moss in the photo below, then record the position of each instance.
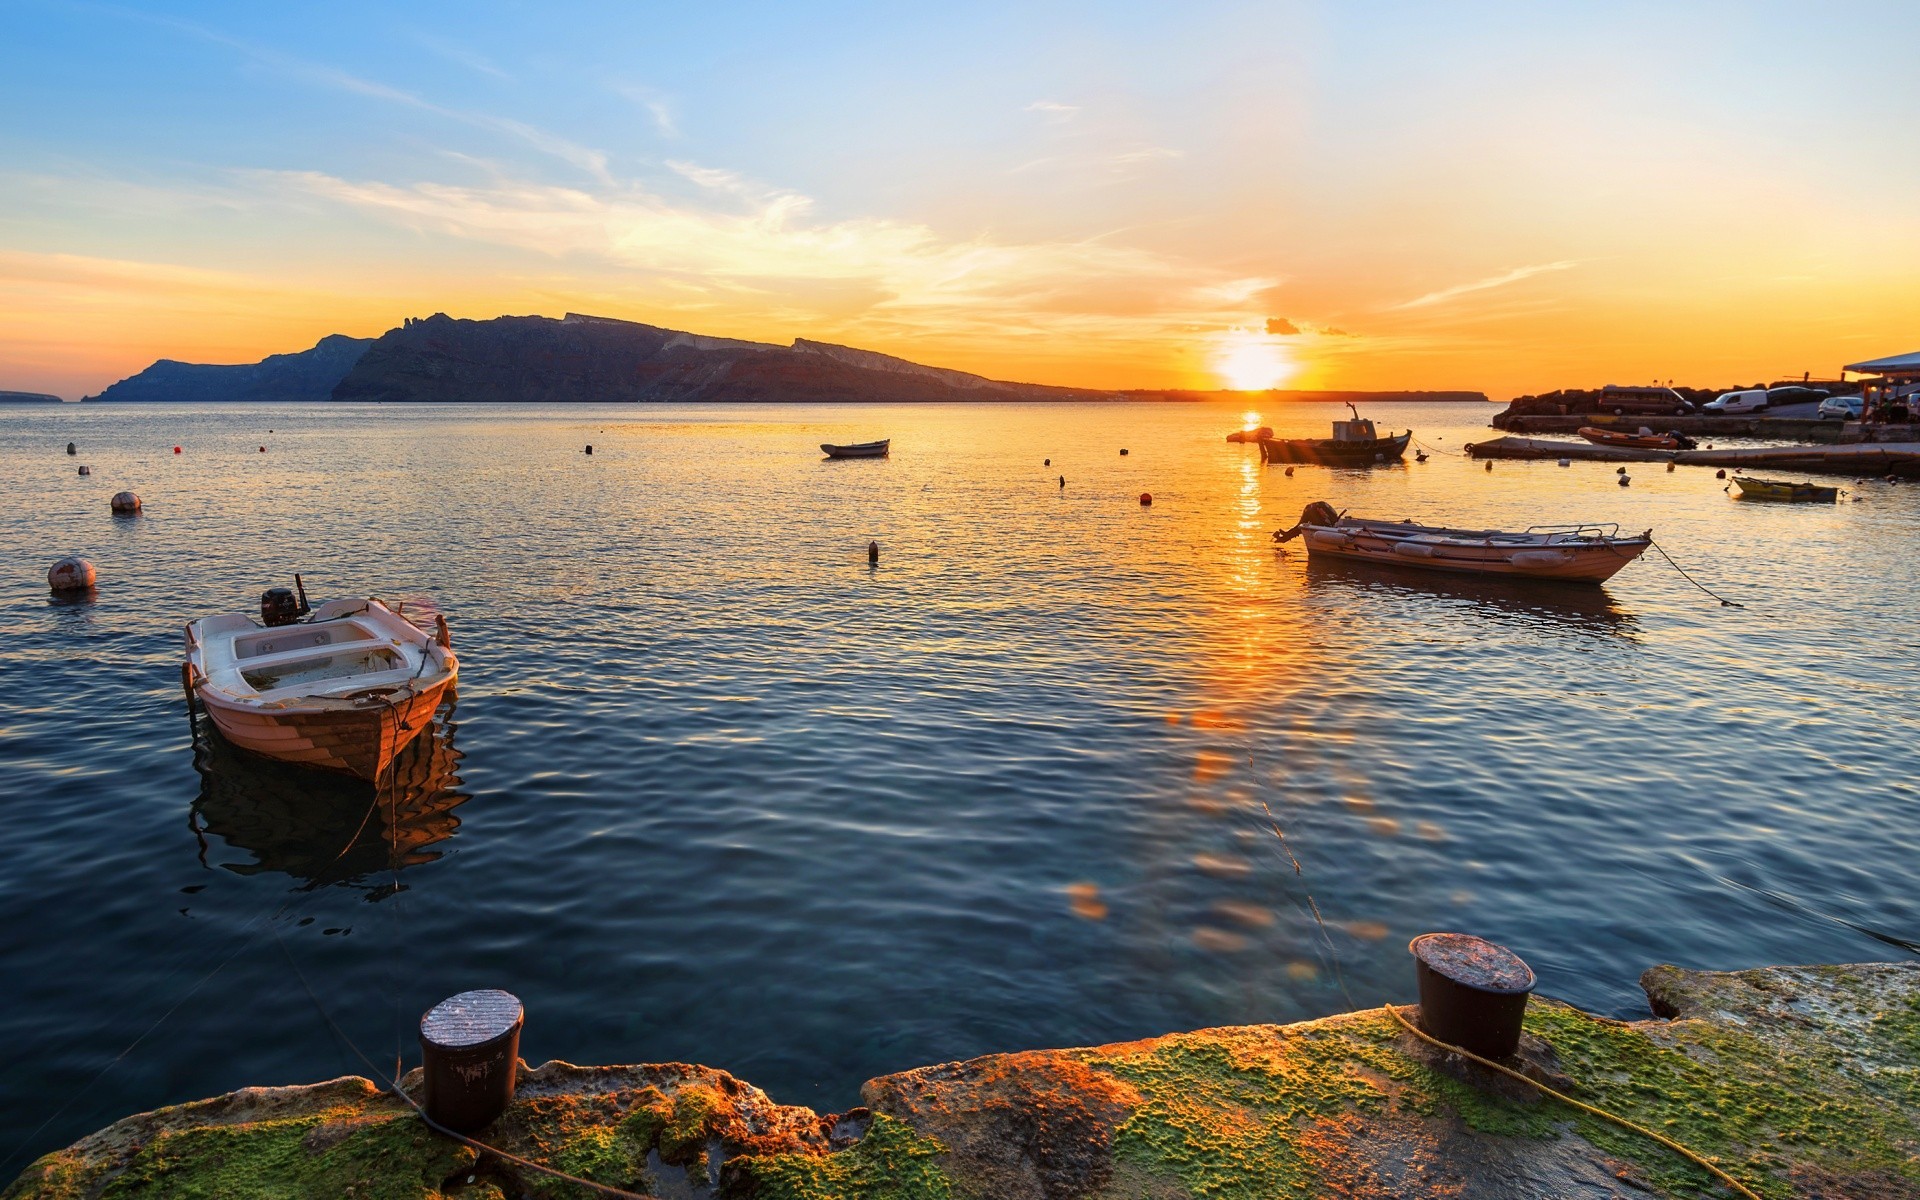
(892, 1162)
(697, 1112)
(295, 1159)
(1730, 1096)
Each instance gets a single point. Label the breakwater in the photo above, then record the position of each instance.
(1796, 1081)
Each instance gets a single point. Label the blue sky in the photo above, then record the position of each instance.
(1471, 195)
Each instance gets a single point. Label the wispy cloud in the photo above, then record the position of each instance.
(1053, 110)
(1481, 285)
(453, 52)
(657, 106)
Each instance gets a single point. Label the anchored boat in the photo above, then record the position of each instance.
(344, 687)
(1646, 439)
(1568, 553)
(1768, 489)
(857, 450)
(1354, 443)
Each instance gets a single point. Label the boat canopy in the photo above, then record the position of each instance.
(1898, 364)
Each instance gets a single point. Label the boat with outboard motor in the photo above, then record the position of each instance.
(1354, 443)
(1568, 553)
(344, 687)
(1646, 439)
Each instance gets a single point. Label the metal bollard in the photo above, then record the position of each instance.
(470, 1050)
(1473, 994)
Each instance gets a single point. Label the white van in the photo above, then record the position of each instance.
(1750, 400)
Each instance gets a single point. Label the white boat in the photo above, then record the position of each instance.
(344, 690)
(1569, 553)
(857, 450)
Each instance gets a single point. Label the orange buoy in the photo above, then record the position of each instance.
(71, 575)
(176, 449)
(1146, 498)
(263, 449)
(125, 503)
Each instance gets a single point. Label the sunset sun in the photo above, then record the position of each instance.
(1251, 362)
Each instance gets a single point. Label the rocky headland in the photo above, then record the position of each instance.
(307, 375)
(1798, 1081)
(585, 359)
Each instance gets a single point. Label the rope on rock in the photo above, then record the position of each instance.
(1696, 1159)
(1724, 602)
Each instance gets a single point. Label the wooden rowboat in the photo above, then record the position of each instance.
(344, 690)
(1768, 489)
(858, 449)
(1568, 553)
(1646, 439)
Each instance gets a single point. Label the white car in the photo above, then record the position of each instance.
(1750, 400)
(1846, 408)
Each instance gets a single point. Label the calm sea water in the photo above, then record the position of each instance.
(716, 790)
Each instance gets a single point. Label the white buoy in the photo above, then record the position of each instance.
(70, 575)
(125, 503)
(1566, 462)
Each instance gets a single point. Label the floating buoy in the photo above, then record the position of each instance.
(1420, 457)
(263, 449)
(85, 470)
(1489, 465)
(1123, 452)
(1289, 472)
(125, 503)
(1046, 462)
(1063, 481)
(1625, 480)
(71, 449)
(589, 449)
(70, 575)
(1720, 474)
(873, 552)
(1669, 466)
(176, 449)
(1619, 470)
(1566, 462)
(1146, 498)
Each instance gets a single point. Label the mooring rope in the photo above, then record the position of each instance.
(1691, 1156)
(1724, 602)
(393, 1085)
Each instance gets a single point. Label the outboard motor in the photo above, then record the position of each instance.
(279, 606)
(1317, 513)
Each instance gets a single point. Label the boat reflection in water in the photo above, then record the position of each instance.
(1570, 607)
(324, 828)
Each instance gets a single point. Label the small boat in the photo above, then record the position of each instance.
(1646, 439)
(344, 689)
(857, 450)
(1251, 435)
(1768, 489)
(1354, 443)
(1568, 553)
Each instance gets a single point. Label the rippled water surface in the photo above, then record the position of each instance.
(717, 790)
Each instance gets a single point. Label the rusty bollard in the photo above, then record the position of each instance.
(470, 1048)
(1473, 994)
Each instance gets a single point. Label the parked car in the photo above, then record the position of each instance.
(1746, 401)
(1643, 401)
(1795, 393)
(1845, 408)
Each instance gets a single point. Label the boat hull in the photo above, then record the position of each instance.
(1803, 493)
(357, 738)
(1634, 441)
(863, 450)
(1329, 452)
(1557, 558)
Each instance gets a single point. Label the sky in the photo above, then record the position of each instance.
(1500, 197)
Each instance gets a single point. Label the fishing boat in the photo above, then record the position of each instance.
(1646, 439)
(1354, 443)
(857, 450)
(344, 687)
(1768, 489)
(1568, 553)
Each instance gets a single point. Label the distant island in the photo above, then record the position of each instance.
(29, 398)
(579, 359)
